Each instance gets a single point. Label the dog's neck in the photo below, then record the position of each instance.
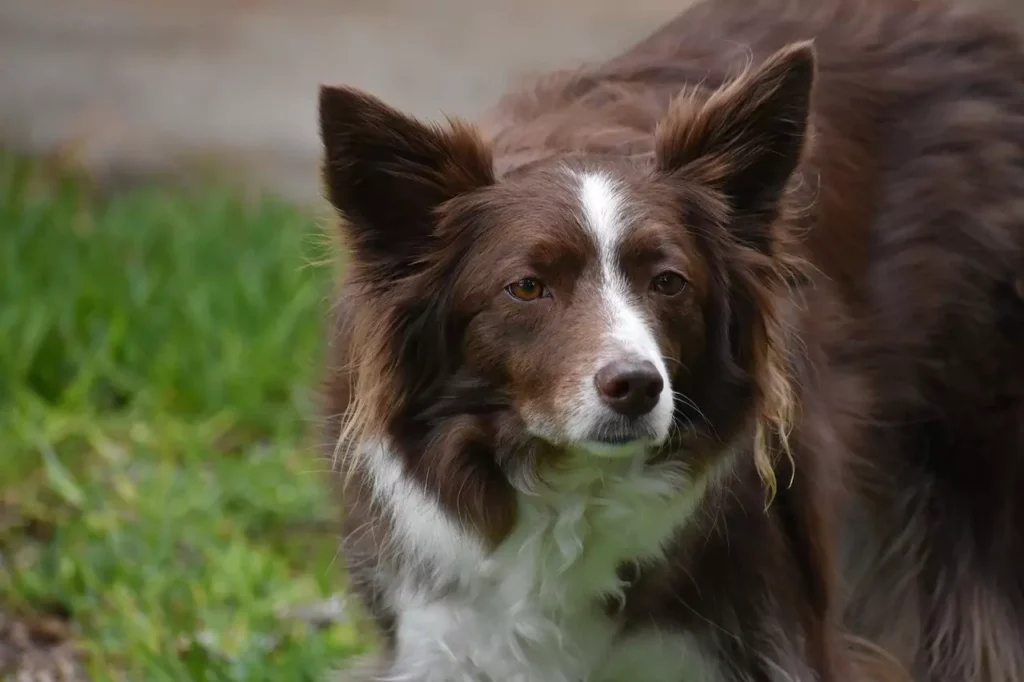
(539, 598)
(575, 526)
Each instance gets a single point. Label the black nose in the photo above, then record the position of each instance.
(630, 387)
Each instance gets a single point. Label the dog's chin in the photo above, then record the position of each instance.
(624, 449)
(619, 442)
(613, 439)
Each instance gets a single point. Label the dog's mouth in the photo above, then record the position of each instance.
(621, 439)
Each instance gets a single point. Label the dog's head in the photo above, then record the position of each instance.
(605, 305)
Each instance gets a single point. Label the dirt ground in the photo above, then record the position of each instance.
(133, 87)
(38, 650)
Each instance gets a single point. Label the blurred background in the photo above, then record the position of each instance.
(163, 274)
(133, 88)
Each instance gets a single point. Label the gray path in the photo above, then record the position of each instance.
(130, 88)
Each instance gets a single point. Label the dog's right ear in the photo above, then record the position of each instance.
(386, 174)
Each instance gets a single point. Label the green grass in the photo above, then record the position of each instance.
(158, 480)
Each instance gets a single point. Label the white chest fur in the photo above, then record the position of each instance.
(530, 611)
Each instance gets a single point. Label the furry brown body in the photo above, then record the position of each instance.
(900, 523)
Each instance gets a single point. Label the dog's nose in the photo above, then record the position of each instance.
(630, 387)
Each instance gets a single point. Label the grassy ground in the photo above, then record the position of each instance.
(159, 496)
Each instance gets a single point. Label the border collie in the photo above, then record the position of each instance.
(703, 363)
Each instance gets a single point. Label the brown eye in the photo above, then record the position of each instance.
(668, 283)
(526, 289)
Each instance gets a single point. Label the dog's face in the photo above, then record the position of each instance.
(610, 305)
(583, 292)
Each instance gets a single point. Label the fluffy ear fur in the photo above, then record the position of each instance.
(386, 174)
(746, 138)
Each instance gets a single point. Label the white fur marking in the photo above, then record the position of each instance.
(422, 530)
(530, 610)
(603, 208)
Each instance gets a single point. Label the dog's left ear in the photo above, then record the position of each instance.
(746, 138)
(387, 174)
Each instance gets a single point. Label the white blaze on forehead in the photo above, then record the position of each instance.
(602, 213)
(603, 208)
(603, 205)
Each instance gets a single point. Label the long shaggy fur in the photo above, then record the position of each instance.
(848, 421)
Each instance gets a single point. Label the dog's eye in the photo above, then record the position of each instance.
(526, 289)
(668, 283)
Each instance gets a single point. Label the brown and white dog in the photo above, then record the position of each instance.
(701, 364)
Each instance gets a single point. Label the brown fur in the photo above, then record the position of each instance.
(877, 295)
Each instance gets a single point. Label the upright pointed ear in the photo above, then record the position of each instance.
(386, 174)
(746, 138)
